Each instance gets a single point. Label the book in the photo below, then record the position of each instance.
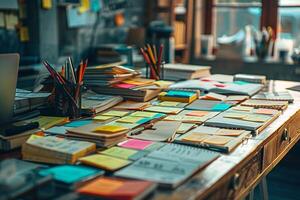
(55, 150)
(250, 78)
(71, 176)
(275, 96)
(92, 103)
(176, 164)
(184, 71)
(178, 96)
(132, 105)
(9, 142)
(214, 138)
(244, 117)
(271, 104)
(161, 131)
(117, 189)
(208, 105)
(237, 87)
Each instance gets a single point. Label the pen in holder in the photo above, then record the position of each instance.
(65, 103)
(154, 61)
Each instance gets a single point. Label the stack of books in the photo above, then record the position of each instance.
(179, 96)
(185, 72)
(55, 150)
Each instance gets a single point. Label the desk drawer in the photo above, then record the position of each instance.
(283, 137)
(240, 181)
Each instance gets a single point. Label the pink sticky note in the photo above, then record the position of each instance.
(197, 113)
(124, 85)
(135, 144)
(206, 80)
(219, 85)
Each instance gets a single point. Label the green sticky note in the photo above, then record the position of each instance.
(124, 153)
(70, 173)
(240, 82)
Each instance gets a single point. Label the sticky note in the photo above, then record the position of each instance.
(143, 114)
(221, 107)
(180, 93)
(78, 123)
(84, 6)
(105, 186)
(217, 140)
(115, 113)
(240, 83)
(173, 118)
(102, 118)
(220, 85)
(197, 113)
(124, 85)
(257, 118)
(192, 119)
(229, 132)
(135, 144)
(95, 5)
(194, 137)
(243, 108)
(184, 127)
(129, 119)
(265, 111)
(110, 129)
(169, 103)
(70, 173)
(104, 162)
(161, 109)
(47, 4)
(24, 34)
(119, 152)
(235, 115)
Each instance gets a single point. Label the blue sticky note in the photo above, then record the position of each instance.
(75, 124)
(144, 120)
(95, 5)
(180, 93)
(70, 173)
(240, 82)
(221, 107)
(159, 115)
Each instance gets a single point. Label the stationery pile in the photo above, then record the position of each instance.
(185, 72)
(274, 96)
(179, 96)
(55, 150)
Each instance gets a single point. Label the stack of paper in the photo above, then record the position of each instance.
(214, 138)
(51, 149)
(251, 78)
(137, 89)
(257, 103)
(92, 103)
(184, 72)
(170, 165)
(274, 96)
(208, 105)
(179, 96)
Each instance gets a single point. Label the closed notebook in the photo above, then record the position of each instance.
(117, 189)
(275, 96)
(170, 165)
(71, 174)
(243, 117)
(104, 162)
(208, 105)
(219, 139)
(51, 149)
(160, 131)
(257, 103)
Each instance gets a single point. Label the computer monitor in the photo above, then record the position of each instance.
(9, 66)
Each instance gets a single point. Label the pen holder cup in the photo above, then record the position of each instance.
(156, 73)
(68, 100)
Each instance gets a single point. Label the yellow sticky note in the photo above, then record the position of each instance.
(47, 4)
(243, 108)
(229, 132)
(102, 118)
(217, 140)
(129, 119)
(104, 162)
(143, 114)
(110, 129)
(119, 152)
(163, 84)
(84, 6)
(24, 34)
(192, 119)
(235, 115)
(194, 137)
(34, 137)
(169, 103)
(161, 109)
(173, 118)
(256, 118)
(115, 113)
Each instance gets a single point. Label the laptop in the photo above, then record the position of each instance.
(9, 66)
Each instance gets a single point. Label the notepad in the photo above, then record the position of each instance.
(136, 144)
(265, 111)
(235, 115)
(115, 113)
(185, 127)
(256, 118)
(130, 119)
(102, 118)
(243, 108)
(124, 153)
(169, 103)
(70, 174)
(197, 113)
(110, 129)
(144, 114)
(78, 123)
(161, 109)
(104, 162)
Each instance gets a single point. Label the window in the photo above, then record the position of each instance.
(289, 18)
(238, 12)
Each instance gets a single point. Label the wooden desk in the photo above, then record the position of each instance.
(234, 175)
